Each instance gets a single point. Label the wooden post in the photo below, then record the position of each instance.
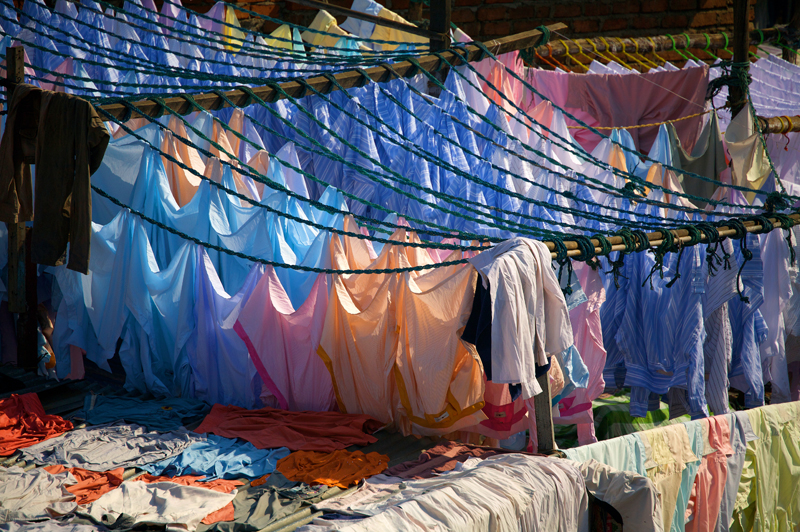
(794, 24)
(415, 11)
(440, 23)
(544, 415)
(741, 46)
(22, 296)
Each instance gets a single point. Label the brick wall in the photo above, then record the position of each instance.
(486, 19)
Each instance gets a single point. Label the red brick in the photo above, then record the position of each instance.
(645, 23)
(674, 21)
(627, 6)
(683, 5)
(712, 4)
(703, 19)
(524, 25)
(491, 13)
(594, 9)
(462, 15)
(726, 17)
(268, 10)
(399, 5)
(614, 24)
(585, 26)
(654, 6)
(498, 1)
(473, 29)
(567, 10)
(463, 3)
(502, 28)
(543, 11)
(522, 12)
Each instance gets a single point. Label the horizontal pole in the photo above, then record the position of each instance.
(663, 43)
(656, 238)
(779, 124)
(345, 12)
(349, 79)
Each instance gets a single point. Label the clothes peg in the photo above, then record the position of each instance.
(569, 56)
(726, 45)
(544, 59)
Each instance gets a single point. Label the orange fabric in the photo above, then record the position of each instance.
(223, 486)
(23, 423)
(339, 468)
(268, 428)
(91, 484)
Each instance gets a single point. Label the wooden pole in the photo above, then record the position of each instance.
(543, 405)
(415, 11)
(794, 24)
(22, 293)
(440, 24)
(741, 47)
(349, 79)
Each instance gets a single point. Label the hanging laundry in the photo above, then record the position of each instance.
(90, 485)
(282, 343)
(706, 159)
(218, 457)
(748, 159)
(339, 468)
(635, 497)
(63, 199)
(269, 428)
(162, 415)
(23, 423)
(539, 315)
(106, 447)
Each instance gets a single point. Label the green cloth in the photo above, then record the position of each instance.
(612, 417)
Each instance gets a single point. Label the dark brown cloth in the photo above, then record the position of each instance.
(441, 459)
(70, 141)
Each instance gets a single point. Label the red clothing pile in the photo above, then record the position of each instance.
(268, 428)
(23, 423)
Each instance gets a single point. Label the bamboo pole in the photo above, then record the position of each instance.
(212, 101)
(662, 43)
(655, 238)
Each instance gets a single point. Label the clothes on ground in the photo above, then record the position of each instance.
(23, 423)
(219, 457)
(106, 447)
(269, 428)
(223, 486)
(161, 415)
(258, 506)
(339, 468)
(34, 494)
(46, 526)
(91, 485)
(160, 503)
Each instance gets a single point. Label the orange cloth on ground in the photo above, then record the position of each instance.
(223, 486)
(268, 428)
(339, 468)
(23, 423)
(91, 484)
